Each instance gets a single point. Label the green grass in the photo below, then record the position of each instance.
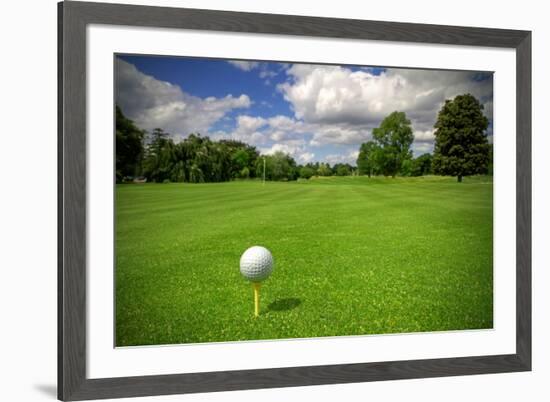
(353, 256)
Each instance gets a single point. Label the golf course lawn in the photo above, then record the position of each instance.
(353, 256)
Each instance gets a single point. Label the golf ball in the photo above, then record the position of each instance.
(256, 263)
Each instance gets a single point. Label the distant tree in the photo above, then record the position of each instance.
(159, 138)
(159, 156)
(314, 166)
(324, 170)
(394, 138)
(306, 172)
(196, 175)
(177, 173)
(342, 169)
(242, 156)
(240, 160)
(218, 162)
(279, 166)
(245, 173)
(366, 158)
(422, 165)
(129, 147)
(461, 146)
(406, 168)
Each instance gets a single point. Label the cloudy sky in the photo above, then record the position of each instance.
(313, 112)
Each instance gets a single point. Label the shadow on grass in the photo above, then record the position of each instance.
(286, 304)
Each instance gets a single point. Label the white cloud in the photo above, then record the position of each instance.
(265, 73)
(248, 130)
(346, 104)
(336, 95)
(244, 65)
(424, 136)
(154, 103)
(280, 147)
(306, 157)
(295, 136)
(296, 150)
(266, 104)
(284, 128)
(260, 131)
(420, 148)
(249, 123)
(281, 122)
(350, 157)
(339, 134)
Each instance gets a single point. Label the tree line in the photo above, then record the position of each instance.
(197, 159)
(461, 149)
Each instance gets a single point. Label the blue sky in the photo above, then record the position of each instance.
(313, 112)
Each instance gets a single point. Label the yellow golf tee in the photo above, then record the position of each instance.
(256, 299)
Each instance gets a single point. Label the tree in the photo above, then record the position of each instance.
(129, 147)
(394, 137)
(461, 146)
(243, 158)
(279, 166)
(159, 156)
(406, 168)
(306, 172)
(240, 160)
(342, 169)
(324, 170)
(422, 165)
(366, 158)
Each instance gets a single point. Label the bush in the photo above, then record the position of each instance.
(306, 172)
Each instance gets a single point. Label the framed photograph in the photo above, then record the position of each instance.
(257, 201)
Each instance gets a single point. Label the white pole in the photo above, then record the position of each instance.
(264, 170)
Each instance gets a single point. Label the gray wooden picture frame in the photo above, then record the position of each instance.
(73, 18)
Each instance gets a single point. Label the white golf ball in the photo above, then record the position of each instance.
(256, 263)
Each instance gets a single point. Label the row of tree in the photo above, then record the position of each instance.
(196, 159)
(461, 149)
(461, 144)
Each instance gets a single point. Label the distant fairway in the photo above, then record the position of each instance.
(352, 256)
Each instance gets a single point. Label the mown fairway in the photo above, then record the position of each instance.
(353, 256)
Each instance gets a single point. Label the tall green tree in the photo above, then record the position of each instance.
(159, 156)
(366, 163)
(394, 137)
(461, 146)
(129, 147)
